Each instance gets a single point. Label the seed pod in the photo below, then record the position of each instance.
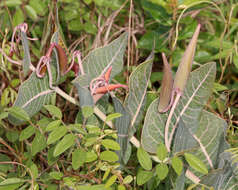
(62, 59)
(166, 86)
(185, 65)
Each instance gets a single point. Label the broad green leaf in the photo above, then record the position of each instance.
(110, 144)
(144, 159)
(195, 96)
(53, 125)
(78, 158)
(143, 176)
(35, 92)
(162, 152)
(136, 99)
(19, 113)
(177, 165)
(56, 134)
(111, 181)
(162, 170)
(96, 64)
(210, 131)
(196, 163)
(101, 58)
(109, 156)
(27, 56)
(38, 144)
(113, 116)
(122, 126)
(225, 177)
(180, 182)
(64, 144)
(27, 132)
(128, 179)
(91, 156)
(56, 175)
(54, 111)
(32, 95)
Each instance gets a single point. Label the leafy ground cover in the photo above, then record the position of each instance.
(88, 99)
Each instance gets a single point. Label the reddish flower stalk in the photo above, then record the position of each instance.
(100, 85)
(22, 27)
(63, 62)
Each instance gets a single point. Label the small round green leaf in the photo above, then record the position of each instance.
(78, 158)
(109, 156)
(112, 116)
(110, 144)
(177, 165)
(53, 125)
(56, 134)
(143, 176)
(162, 171)
(27, 132)
(54, 111)
(144, 159)
(38, 144)
(56, 175)
(34, 170)
(111, 181)
(91, 156)
(121, 187)
(196, 163)
(128, 179)
(162, 152)
(64, 144)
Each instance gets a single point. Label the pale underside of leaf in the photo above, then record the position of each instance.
(189, 108)
(138, 83)
(32, 95)
(27, 57)
(99, 60)
(122, 126)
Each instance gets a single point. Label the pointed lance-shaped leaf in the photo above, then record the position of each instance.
(166, 86)
(185, 65)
